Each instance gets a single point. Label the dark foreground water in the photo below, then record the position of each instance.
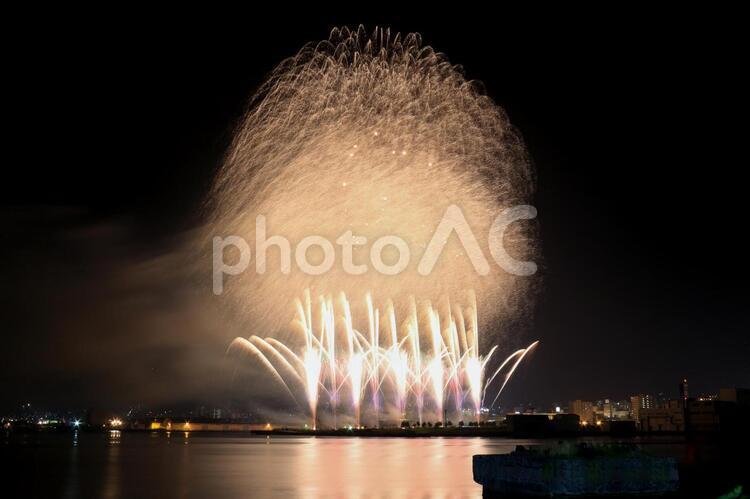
(154, 465)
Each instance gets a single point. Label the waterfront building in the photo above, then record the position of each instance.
(583, 408)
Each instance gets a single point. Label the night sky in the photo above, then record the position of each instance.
(635, 125)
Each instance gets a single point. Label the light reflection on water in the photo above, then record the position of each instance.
(380, 467)
(200, 465)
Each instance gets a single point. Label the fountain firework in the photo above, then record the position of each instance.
(336, 357)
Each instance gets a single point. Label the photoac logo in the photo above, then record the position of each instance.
(453, 221)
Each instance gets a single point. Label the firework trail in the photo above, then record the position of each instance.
(377, 135)
(397, 371)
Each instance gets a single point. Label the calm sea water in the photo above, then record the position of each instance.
(153, 465)
(209, 466)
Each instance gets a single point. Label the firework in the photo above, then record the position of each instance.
(359, 137)
(337, 359)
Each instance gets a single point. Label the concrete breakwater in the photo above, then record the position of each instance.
(576, 471)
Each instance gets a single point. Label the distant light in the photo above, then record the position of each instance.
(557, 408)
(77, 423)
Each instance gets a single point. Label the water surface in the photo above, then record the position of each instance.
(202, 466)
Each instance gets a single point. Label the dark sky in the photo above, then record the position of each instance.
(635, 124)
